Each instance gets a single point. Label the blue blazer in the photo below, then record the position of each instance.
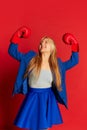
(21, 84)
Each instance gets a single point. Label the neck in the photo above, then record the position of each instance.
(45, 57)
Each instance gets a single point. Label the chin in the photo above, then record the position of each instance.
(43, 50)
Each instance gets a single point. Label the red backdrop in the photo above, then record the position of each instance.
(52, 18)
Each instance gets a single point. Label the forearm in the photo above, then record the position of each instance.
(13, 51)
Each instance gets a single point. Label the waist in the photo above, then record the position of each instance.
(39, 89)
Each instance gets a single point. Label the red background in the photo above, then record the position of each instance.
(52, 18)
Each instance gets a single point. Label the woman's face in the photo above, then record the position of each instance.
(45, 46)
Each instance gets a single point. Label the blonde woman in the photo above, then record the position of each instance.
(41, 77)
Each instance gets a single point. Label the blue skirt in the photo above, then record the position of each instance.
(39, 110)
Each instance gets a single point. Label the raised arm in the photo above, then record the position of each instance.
(69, 39)
(22, 32)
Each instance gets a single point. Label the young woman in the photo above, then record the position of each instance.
(41, 77)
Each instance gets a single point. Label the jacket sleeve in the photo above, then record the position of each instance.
(74, 59)
(13, 51)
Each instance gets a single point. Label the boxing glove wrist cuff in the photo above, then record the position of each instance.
(15, 40)
(75, 47)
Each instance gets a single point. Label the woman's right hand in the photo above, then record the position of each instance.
(22, 32)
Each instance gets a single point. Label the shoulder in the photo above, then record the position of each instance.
(60, 64)
(30, 54)
(59, 61)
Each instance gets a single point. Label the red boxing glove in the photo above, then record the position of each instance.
(22, 32)
(70, 40)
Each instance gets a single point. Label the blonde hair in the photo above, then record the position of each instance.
(35, 64)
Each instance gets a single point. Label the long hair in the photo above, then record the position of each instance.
(35, 64)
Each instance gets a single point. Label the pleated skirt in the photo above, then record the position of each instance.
(39, 110)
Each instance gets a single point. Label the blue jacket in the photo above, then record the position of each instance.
(21, 84)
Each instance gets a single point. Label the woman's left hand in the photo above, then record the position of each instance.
(70, 40)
